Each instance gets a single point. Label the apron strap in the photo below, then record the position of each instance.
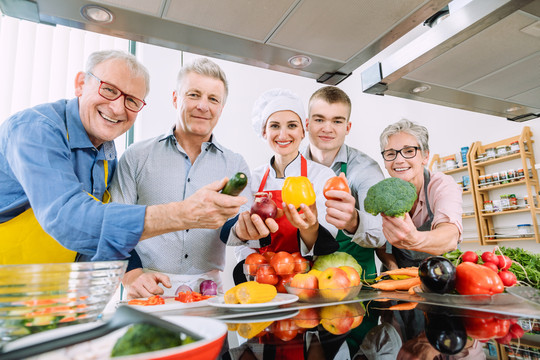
(303, 172)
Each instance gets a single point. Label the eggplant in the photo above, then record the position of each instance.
(446, 334)
(437, 274)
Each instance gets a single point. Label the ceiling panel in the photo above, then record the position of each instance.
(517, 78)
(529, 98)
(249, 19)
(496, 47)
(339, 29)
(153, 7)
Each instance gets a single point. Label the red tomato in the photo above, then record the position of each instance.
(285, 330)
(253, 261)
(470, 256)
(490, 257)
(282, 280)
(266, 275)
(335, 183)
(283, 263)
(269, 255)
(300, 263)
(492, 266)
(504, 262)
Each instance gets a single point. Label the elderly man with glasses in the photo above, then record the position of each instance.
(57, 161)
(433, 226)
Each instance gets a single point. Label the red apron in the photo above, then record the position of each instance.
(285, 239)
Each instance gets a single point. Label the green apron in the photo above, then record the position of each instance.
(364, 256)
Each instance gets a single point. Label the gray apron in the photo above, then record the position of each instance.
(406, 258)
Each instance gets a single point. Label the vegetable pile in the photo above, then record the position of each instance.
(393, 197)
(512, 264)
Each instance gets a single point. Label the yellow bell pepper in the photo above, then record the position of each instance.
(298, 190)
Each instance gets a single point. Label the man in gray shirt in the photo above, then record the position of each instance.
(172, 167)
(328, 124)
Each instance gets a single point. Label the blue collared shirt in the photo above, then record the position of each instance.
(48, 163)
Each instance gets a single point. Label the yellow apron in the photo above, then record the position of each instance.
(23, 240)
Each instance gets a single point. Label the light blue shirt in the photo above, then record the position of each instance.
(48, 163)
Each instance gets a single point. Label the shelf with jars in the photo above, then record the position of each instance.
(499, 173)
(457, 166)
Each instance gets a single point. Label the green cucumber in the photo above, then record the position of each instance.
(235, 185)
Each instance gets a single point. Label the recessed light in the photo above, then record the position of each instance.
(299, 61)
(97, 14)
(513, 108)
(421, 89)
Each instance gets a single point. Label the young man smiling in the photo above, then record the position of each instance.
(328, 125)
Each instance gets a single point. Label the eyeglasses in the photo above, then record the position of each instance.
(408, 152)
(111, 92)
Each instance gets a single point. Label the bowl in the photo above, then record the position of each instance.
(311, 295)
(38, 297)
(213, 333)
(250, 271)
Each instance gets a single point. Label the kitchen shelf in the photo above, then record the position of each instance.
(481, 193)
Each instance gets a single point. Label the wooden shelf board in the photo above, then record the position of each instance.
(467, 192)
(456, 170)
(500, 159)
(509, 239)
(468, 216)
(499, 186)
(506, 212)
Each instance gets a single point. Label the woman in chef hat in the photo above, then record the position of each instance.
(278, 118)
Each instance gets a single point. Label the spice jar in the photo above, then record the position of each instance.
(490, 153)
(514, 147)
(512, 199)
(520, 174)
(503, 177)
(505, 203)
(500, 151)
(482, 180)
(495, 177)
(511, 173)
(489, 180)
(488, 206)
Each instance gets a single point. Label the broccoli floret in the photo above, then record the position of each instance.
(392, 197)
(141, 338)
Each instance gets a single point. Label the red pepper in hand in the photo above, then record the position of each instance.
(474, 279)
(486, 328)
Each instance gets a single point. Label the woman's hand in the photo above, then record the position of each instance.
(401, 232)
(140, 284)
(306, 223)
(252, 227)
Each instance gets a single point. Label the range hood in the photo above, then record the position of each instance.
(484, 57)
(337, 37)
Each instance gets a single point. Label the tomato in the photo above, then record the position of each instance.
(504, 262)
(336, 183)
(285, 330)
(508, 278)
(491, 266)
(490, 257)
(253, 261)
(486, 328)
(469, 256)
(280, 286)
(283, 263)
(268, 255)
(475, 279)
(266, 275)
(300, 263)
(298, 190)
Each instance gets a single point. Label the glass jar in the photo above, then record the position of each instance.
(500, 151)
(512, 199)
(524, 230)
(520, 174)
(503, 177)
(488, 206)
(514, 147)
(511, 173)
(490, 153)
(505, 202)
(489, 180)
(482, 180)
(495, 177)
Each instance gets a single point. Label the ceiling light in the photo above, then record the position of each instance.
(421, 89)
(299, 61)
(513, 109)
(97, 14)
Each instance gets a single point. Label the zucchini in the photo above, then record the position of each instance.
(235, 185)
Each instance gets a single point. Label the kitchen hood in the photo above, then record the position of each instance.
(484, 57)
(327, 40)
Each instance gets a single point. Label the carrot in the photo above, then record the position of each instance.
(391, 285)
(403, 306)
(408, 271)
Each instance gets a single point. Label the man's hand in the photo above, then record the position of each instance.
(341, 211)
(142, 285)
(208, 209)
(252, 227)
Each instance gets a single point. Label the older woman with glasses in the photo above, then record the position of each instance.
(433, 226)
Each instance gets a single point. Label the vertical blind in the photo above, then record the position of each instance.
(38, 63)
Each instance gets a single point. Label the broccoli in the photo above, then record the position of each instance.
(141, 338)
(392, 197)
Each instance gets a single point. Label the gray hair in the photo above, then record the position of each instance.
(206, 67)
(135, 67)
(418, 131)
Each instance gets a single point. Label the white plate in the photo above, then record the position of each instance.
(280, 299)
(170, 304)
(263, 318)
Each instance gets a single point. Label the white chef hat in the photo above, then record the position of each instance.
(272, 101)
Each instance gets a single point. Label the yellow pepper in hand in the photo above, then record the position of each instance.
(298, 190)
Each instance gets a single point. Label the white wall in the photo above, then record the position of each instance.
(449, 128)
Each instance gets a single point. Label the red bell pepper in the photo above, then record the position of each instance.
(474, 279)
(486, 328)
